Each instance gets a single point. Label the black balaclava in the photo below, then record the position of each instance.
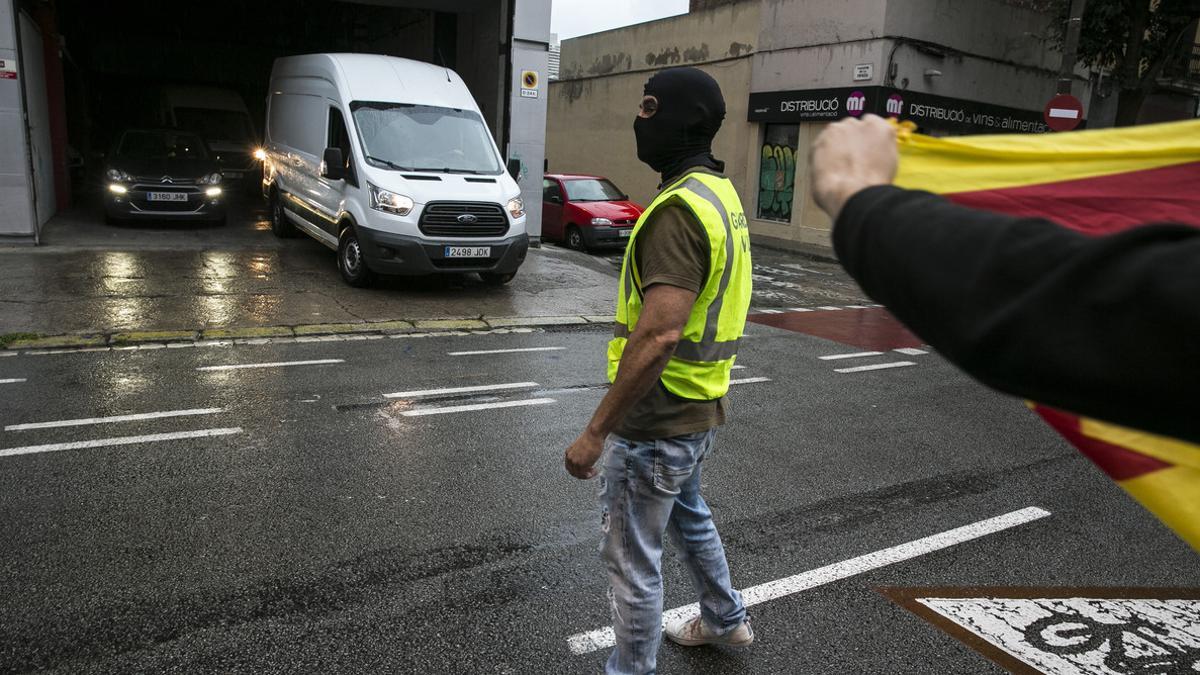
(680, 135)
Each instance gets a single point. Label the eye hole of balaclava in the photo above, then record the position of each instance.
(690, 109)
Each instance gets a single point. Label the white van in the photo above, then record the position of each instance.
(389, 162)
(221, 118)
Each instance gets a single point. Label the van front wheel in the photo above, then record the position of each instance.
(351, 262)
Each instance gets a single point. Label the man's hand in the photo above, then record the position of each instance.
(581, 457)
(849, 156)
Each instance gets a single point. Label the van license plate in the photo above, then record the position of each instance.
(468, 251)
(166, 196)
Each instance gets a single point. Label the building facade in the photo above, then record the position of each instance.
(788, 68)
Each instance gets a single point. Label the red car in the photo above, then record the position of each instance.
(586, 211)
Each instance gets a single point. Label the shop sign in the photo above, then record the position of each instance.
(930, 112)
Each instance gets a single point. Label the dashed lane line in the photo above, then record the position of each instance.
(749, 380)
(13, 380)
(910, 351)
(855, 355)
(830, 308)
(121, 440)
(274, 364)
(877, 366)
(476, 406)
(603, 638)
(461, 390)
(112, 419)
(507, 351)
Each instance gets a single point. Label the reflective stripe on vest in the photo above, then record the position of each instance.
(700, 366)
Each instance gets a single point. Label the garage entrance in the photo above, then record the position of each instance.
(84, 71)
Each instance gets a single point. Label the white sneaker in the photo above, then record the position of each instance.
(693, 633)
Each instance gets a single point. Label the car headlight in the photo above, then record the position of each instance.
(601, 221)
(118, 176)
(211, 179)
(390, 202)
(516, 207)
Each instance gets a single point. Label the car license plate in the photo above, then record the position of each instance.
(624, 233)
(232, 174)
(468, 251)
(167, 196)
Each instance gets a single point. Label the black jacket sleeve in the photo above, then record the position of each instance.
(1107, 327)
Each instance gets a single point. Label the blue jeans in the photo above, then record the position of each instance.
(648, 488)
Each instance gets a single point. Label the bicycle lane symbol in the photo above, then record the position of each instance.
(1069, 631)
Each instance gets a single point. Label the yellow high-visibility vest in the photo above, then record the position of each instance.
(699, 369)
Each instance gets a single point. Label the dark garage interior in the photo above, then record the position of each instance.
(117, 58)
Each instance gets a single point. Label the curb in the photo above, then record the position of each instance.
(154, 339)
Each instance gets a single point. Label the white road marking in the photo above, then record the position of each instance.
(770, 311)
(877, 366)
(856, 355)
(121, 440)
(461, 390)
(830, 308)
(1035, 630)
(738, 368)
(799, 309)
(749, 380)
(114, 418)
(858, 307)
(909, 351)
(602, 638)
(275, 364)
(476, 406)
(507, 351)
(13, 380)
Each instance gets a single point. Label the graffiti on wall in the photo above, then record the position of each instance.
(776, 181)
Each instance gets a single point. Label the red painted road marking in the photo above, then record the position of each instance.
(868, 329)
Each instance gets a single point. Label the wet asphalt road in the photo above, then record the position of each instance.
(328, 532)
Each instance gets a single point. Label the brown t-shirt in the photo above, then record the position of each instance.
(672, 249)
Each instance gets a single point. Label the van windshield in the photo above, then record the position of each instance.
(160, 145)
(216, 125)
(424, 138)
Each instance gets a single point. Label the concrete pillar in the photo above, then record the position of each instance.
(527, 104)
(17, 219)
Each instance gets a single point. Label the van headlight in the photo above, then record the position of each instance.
(210, 179)
(389, 202)
(516, 207)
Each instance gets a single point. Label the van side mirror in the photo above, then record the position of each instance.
(514, 168)
(333, 165)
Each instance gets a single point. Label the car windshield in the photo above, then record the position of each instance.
(161, 145)
(425, 138)
(593, 190)
(214, 124)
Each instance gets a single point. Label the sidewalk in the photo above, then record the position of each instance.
(96, 279)
(93, 284)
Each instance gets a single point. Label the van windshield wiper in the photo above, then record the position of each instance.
(389, 164)
(446, 169)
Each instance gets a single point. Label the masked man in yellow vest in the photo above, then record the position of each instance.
(681, 308)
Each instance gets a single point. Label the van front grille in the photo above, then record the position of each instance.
(463, 219)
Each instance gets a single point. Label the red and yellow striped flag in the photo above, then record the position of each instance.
(1097, 182)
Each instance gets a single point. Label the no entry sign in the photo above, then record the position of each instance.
(1063, 113)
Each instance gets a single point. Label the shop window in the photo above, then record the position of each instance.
(777, 171)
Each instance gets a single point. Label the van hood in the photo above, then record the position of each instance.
(437, 187)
